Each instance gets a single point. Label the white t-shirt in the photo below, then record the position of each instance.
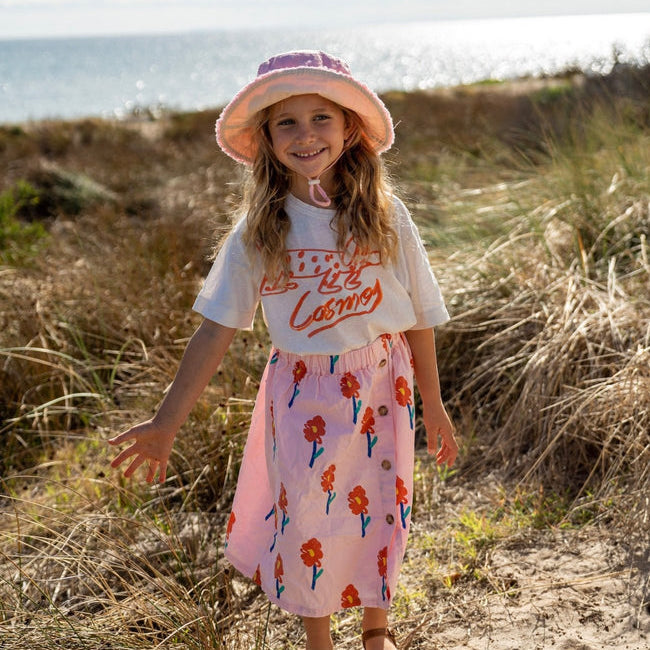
(334, 302)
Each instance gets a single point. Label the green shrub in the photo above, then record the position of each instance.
(18, 239)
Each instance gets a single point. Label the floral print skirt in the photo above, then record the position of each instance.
(322, 507)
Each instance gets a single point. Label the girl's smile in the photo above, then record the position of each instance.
(308, 135)
(308, 155)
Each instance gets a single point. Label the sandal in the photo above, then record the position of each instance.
(379, 631)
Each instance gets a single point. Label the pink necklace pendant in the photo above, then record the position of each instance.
(324, 201)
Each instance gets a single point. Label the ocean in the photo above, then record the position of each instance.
(114, 77)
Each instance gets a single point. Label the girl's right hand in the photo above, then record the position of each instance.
(150, 443)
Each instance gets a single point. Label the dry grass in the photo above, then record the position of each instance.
(552, 326)
(536, 204)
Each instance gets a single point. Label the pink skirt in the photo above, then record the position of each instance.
(322, 507)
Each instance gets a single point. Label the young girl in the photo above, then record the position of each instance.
(322, 508)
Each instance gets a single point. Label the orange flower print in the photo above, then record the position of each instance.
(257, 577)
(368, 427)
(349, 385)
(358, 501)
(350, 389)
(278, 572)
(327, 483)
(401, 493)
(402, 391)
(387, 341)
(350, 597)
(314, 431)
(278, 569)
(358, 504)
(403, 396)
(282, 500)
(327, 478)
(231, 523)
(282, 504)
(311, 553)
(382, 562)
(382, 566)
(299, 371)
(401, 499)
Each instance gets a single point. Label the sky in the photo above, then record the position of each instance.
(43, 18)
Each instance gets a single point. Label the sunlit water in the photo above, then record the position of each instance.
(113, 76)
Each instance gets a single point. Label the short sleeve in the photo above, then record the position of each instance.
(230, 293)
(415, 274)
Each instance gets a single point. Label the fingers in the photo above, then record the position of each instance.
(130, 470)
(448, 450)
(153, 466)
(446, 455)
(162, 471)
(122, 456)
(161, 466)
(122, 437)
(140, 459)
(142, 455)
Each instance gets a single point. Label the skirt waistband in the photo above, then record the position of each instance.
(323, 364)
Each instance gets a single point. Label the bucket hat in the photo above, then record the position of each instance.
(300, 73)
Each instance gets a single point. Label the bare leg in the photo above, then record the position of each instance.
(374, 617)
(318, 633)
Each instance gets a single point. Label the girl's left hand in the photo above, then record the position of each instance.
(438, 425)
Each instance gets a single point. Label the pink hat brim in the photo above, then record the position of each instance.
(234, 128)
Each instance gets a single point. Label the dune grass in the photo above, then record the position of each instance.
(536, 209)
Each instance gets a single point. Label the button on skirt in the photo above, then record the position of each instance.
(322, 508)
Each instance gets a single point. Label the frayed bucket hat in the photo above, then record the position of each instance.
(300, 73)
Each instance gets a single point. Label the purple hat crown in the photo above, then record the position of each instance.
(292, 60)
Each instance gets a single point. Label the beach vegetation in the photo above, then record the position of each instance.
(19, 240)
(535, 207)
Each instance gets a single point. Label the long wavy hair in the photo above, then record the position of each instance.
(361, 197)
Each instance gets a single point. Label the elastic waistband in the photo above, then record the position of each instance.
(322, 364)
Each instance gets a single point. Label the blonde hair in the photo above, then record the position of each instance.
(361, 197)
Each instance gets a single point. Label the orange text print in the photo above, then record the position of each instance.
(328, 287)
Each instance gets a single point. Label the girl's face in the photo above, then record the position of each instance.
(308, 134)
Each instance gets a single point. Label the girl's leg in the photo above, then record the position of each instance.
(318, 633)
(374, 617)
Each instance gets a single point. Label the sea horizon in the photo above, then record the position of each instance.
(117, 76)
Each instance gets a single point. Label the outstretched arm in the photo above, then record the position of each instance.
(153, 439)
(436, 419)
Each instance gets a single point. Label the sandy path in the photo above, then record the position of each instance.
(568, 590)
